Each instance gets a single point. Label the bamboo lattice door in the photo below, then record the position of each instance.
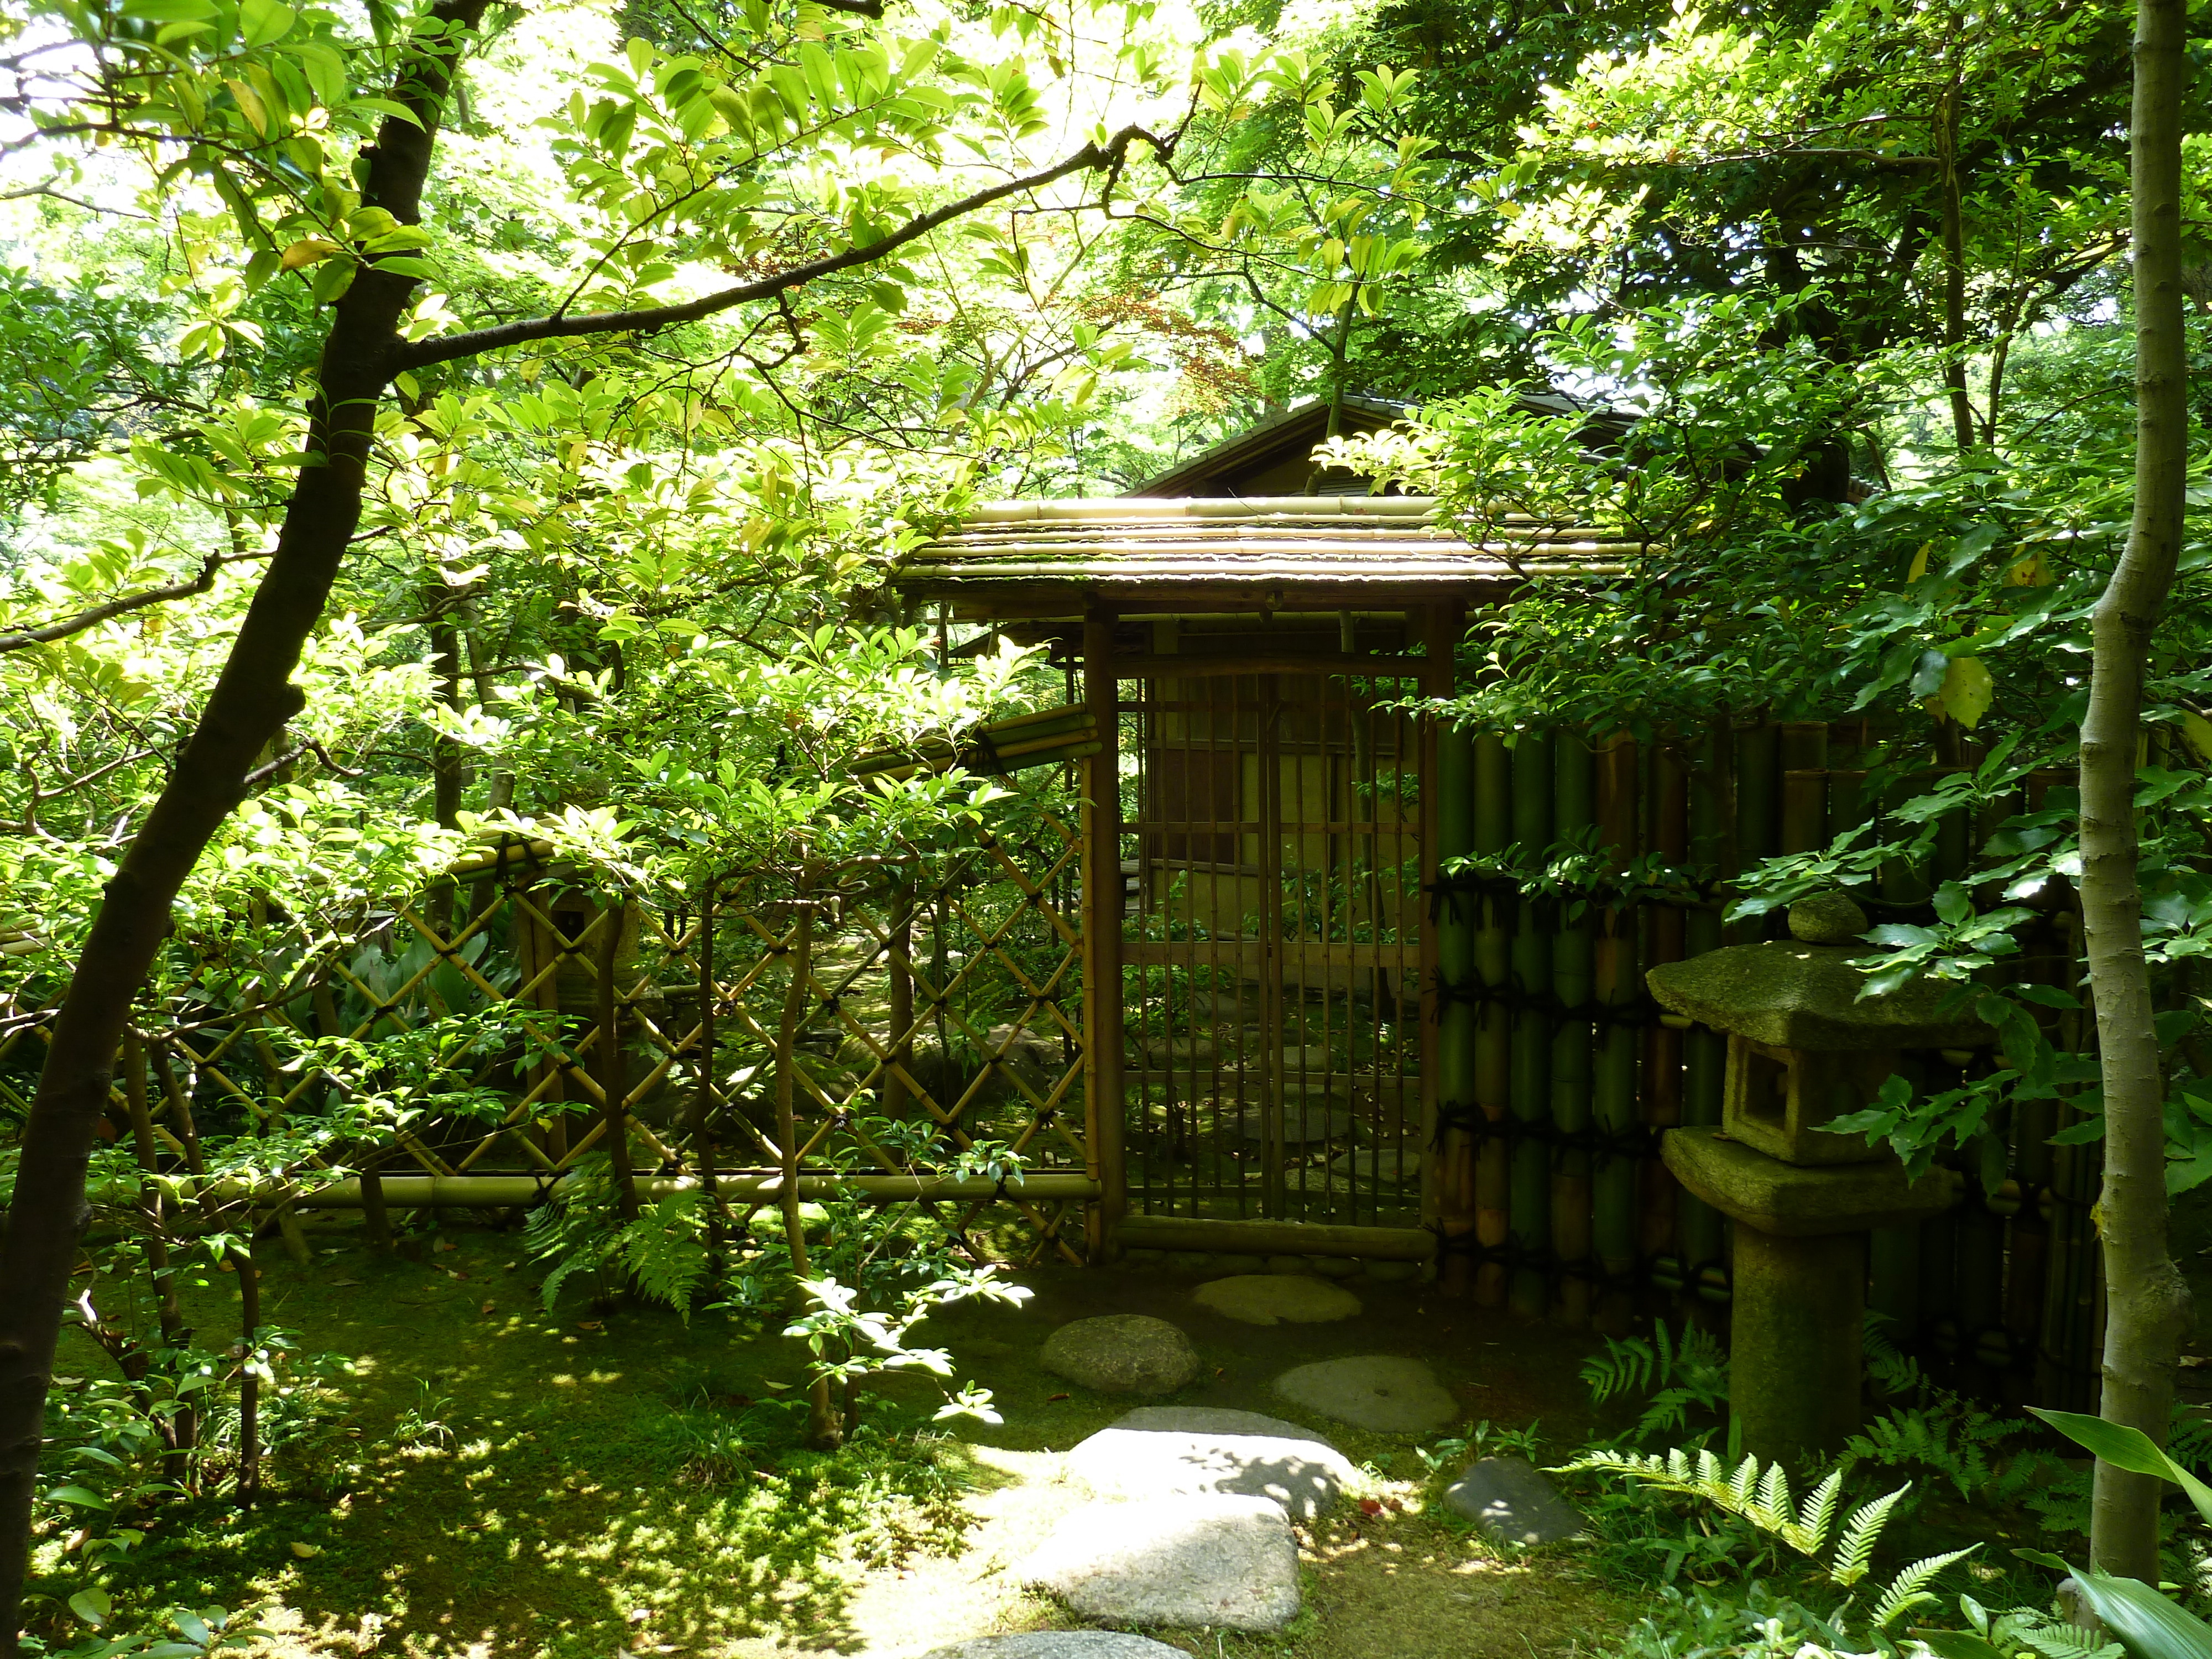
(1274, 1023)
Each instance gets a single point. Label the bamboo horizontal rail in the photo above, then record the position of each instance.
(1155, 1232)
(500, 1192)
(1318, 662)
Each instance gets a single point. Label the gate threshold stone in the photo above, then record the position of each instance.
(1188, 1451)
(1229, 1562)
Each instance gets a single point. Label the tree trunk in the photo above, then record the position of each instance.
(252, 698)
(249, 1382)
(2147, 1301)
(181, 1430)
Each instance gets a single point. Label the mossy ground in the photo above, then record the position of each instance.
(489, 1480)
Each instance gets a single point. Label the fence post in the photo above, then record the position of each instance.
(1102, 941)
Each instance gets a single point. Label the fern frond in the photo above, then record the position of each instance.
(1909, 1590)
(1854, 1548)
(2054, 1640)
(1744, 1484)
(1625, 1367)
(1818, 1512)
(1772, 1508)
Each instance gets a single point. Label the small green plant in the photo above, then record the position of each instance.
(1678, 1375)
(663, 1253)
(1763, 1499)
(1485, 1439)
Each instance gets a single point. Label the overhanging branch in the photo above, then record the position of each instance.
(1109, 157)
(129, 602)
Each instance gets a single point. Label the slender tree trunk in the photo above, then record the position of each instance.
(252, 698)
(2147, 1301)
(249, 1382)
(1955, 264)
(181, 1430)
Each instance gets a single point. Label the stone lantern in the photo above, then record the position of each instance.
(1804, 1047)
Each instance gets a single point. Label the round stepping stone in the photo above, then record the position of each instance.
(1275, 1299)
(1182, 1451)
(1121, 1353)
(1059, 1644)
(1228, 1562)
(1372, 1391)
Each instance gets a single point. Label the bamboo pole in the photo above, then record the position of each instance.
(1448, 1174)
(614, 1087)
(702, 1100)
(1711, 815)
(1803, 822)
(824, 1423)
(1492, 827)
(1757, 808)
(1102, 989)
(1613, 1102)
(1661, 1095)
(1530, 1208)
(1573, 980)
(499, 1191)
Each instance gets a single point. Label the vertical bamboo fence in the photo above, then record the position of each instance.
(1558, 1071)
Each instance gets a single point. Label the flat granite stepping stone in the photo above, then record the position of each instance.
(1381, 1164)
(1121, 1353)
(1512, 1503)
(1301, 1126)
(1059, 1644)
(1275, 1299)
(1225, 1561)
(1372, 1391)
(1186, 1451)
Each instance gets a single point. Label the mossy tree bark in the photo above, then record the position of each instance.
(2147, 1301)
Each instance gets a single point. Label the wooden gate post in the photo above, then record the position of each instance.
(1447, 1075)
(1101, 942)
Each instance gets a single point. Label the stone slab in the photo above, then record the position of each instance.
(1384, 1165)
(1377, 1392)
(1512, 1503)
(1793, 1201)
(1059, 1644)
(1302, 1125)
(1121, 1353)
(1789, 995)
(1227, 1562)
(1168, 1451)
(1277, 1298)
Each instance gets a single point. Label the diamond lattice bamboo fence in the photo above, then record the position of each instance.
(937, 1011)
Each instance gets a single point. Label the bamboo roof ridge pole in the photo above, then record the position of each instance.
(1616, 984)
(1493, 826)
(1102, 989)
(1573, 961)
(1530, 1212)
